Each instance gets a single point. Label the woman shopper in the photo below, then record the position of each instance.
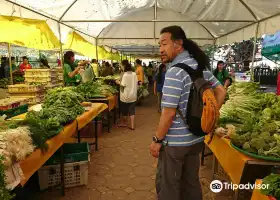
(158, 84)
(128, 95)
(222, 74)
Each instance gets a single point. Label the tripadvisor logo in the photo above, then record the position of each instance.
(217, 186)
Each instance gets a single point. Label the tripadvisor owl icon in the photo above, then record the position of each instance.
(216, 186)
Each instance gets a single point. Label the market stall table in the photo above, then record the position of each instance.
(111, 101)
(234, 163)
(36, 160)
(257, 193)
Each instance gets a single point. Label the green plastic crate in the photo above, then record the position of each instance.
(15, 111)
(73, 152)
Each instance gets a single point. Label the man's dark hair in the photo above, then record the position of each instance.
(13, 58)
(93, 60)
(177, 33)
(127, 66)
(138, 62)
(107, 64)
(67, 56)
(24, 57)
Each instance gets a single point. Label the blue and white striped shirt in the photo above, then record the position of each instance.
(176, 91)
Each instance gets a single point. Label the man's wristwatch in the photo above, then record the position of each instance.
(156, 140)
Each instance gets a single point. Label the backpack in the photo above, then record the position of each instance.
(202, 113)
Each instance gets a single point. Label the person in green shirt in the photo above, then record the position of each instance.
(71, 69)
(222, 75)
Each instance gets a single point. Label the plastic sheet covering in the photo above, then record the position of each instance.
(77, 43)
(27, 32)
(144, 10)
(271, 46)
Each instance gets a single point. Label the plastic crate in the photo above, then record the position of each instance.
(75, 174)
(22, 88)
(11, 102)
(40, 73)
(40, 79)
(15, 111)
(73, 152)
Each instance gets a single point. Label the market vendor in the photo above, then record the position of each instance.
(139, 72)
(222, 74)
(71, 69)
(25, 64)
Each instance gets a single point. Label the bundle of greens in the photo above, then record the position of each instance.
(4, 82)
(95, 89)
(4, 193)
(273, 182)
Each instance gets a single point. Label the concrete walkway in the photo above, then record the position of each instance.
(123, 168)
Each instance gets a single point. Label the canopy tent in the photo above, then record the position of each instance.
(138, 22)
(30, 33)
(271, 46)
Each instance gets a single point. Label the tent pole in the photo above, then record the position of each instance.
(10, 63)
(111, 57)
(61, 51)
(96, 49)
(254, 51)
(155, 18)
(215, 41)
(117, 20)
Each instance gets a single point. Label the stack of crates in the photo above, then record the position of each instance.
(13, 106)
(34, 93)
(43, 76)
(76, 158)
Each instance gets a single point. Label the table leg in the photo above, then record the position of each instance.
(62, 171)
(214, 167)
(109, 121)
(96, 135)
(79, 136)
(115, 115)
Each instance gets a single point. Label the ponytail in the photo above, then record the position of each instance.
(201, 58)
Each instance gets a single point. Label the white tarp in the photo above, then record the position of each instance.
(143, 33)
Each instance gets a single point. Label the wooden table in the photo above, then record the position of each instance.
(237, 165)
(111, 103)
(37, 159)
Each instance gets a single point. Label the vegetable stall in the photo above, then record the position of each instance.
(30, 139)
(246, 142)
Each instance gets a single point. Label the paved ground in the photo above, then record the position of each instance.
(123, 169)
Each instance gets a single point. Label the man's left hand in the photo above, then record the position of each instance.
(154, 149)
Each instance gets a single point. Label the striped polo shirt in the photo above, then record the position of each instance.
(176, 91)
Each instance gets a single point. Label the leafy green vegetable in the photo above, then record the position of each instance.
(273, 182)
(4, 193)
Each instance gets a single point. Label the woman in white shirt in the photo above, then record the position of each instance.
(128, 95)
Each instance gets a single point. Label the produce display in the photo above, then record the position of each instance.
(4, 82)
(95, 89)
(4, 193)
(256, 120)
(273, 189)
(61, 106)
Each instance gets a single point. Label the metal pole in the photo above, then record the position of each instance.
(114, 20)
(61, 52)
(96, 49)
(215, 41)
(254, 51)
(111, 57)
(10, 63)
(155, 18)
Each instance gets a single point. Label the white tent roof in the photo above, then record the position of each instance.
(138, 22)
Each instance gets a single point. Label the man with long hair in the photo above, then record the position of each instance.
(176, 147)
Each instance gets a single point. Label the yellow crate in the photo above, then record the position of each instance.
(40, 79)
(40, 73)
(22, 88)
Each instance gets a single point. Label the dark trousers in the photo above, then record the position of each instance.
(178, 173)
